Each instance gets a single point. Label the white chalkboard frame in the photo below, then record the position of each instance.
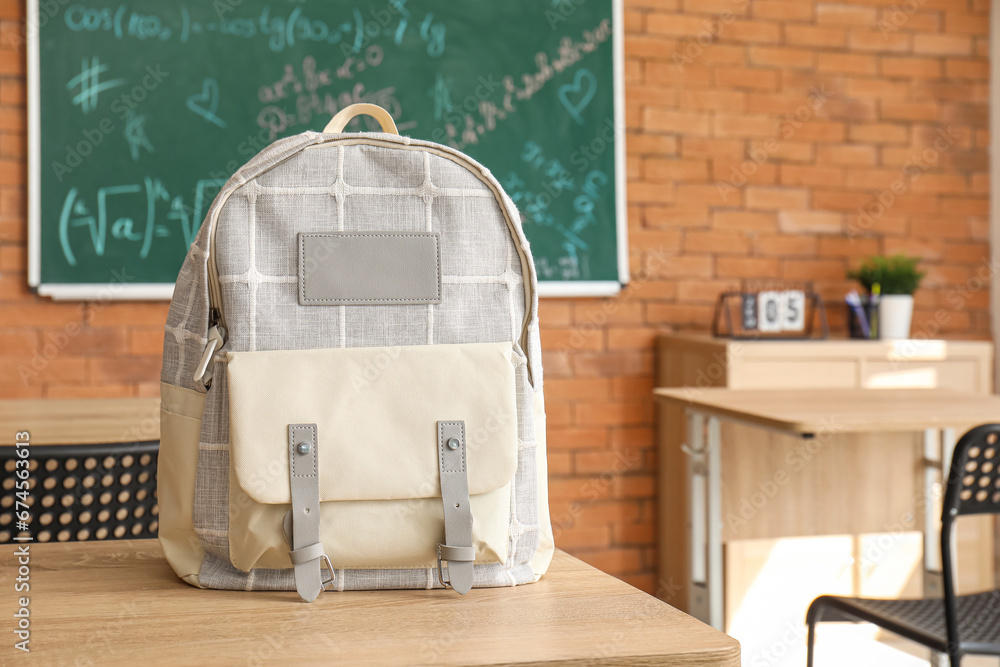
(164, 291)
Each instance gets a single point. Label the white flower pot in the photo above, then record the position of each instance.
(894, 314)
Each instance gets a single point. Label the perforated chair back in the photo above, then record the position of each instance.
(973, 487)
(81, 492)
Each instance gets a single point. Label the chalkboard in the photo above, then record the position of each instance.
(140, 110)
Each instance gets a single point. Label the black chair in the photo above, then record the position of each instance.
(956, 625)
(80, 493)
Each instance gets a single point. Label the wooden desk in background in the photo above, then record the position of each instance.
(700, 360)
(82, 421)
(118, 602)
(859, 494)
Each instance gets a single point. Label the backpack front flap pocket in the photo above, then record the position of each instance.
(376, 412)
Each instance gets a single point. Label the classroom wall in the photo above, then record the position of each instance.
(756, 131)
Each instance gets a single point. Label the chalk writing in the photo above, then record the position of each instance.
(278, 29)
(135, 135)
(206, 102)
(461, 131)
(135, 214)
(90, 85)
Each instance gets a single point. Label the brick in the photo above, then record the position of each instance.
(726, 100)
(704, 291)
(826, 222)
(877, 89)
(777, 56)
(846, 63)
(729, 149)
(87, 341)
(730, 126)
(576, 438)
(686, 267)
(942, 45)
(127, 314)
(878, 133)
(845, 15)
(804, 175)
(645, 46)
(13, 92)
(651, 193)
(90, 391)
(125, 369)
(606, 462)
(967, 68)
(744, 220)
(572, 340)
(620, 363)
(747, 78)
(679, 215)
(753, 32)
(877, 42)
(849, 155)
(782, 10)
(676, 314)
(847, 247)
(777, 198)
(651, 144)
(659, 119)
(914, 68)
(817, 130)
(785, 151)
(716, 241)
(572, 389)
(631, 338)
(660, 170)
(869, 179)
(612, 561)
(146, 341)
(815, 36)
(668, 74)
(785, 245)
(748, 267)
(18, 342)
(813, 269)
(929, 111)
(966, 24)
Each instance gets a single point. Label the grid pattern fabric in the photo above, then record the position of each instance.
(353, 187)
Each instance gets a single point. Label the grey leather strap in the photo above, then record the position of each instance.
(307, 550)
(457, 549)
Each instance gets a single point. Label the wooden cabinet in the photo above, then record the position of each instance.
(860, 485)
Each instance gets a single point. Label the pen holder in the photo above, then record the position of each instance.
(853, 325)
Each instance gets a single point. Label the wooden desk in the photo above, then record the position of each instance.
(819, 415)
(119, 603)
(81, 421)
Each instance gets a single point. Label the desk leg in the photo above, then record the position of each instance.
(698, 603)
(705, 520)
(939, 446)
(715, 576)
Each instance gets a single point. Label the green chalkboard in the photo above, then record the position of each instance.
(140, 111)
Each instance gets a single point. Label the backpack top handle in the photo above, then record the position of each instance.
(344, 116)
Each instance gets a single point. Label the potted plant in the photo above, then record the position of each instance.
(890, 282)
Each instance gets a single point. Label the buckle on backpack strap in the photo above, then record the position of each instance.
(448, 553)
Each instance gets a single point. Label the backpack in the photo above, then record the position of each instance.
(352, 381)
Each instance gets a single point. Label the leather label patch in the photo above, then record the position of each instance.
(369, 268)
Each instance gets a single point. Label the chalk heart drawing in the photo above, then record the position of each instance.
(206, 102)
(577, 95)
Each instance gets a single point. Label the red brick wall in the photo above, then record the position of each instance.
(737, 167)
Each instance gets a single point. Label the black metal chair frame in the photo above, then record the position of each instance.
(973, 487)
